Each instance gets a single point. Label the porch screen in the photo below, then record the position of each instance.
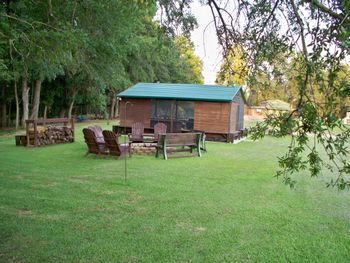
(177, 115)
(185, 114)
(163, 109)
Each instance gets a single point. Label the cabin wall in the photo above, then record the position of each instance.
(234, 118)
(139, 110)
(237, 113)
(212, 116)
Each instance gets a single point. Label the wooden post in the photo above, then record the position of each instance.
(72, 127)
(35, 134)
(27, 131)
(198, 142)
(171, 116)
(229, 118)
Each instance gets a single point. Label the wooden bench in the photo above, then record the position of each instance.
(169, 143)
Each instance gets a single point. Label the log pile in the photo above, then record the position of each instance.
(52, 135)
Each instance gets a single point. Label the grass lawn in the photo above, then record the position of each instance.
(58, 206)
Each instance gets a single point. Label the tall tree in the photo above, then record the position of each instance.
(233, 70)
(56, 53)
(159, 57)
(187, 53)
(176, 17)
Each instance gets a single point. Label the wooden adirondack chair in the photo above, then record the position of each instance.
(113, 145)
(159, 128)
(137, 130)
(98, 133)
(93, 145)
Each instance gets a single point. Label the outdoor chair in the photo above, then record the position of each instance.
(170, 143)
(137, 130)
(93, 145)
(158, 129)
(116, 149)
(98, 133)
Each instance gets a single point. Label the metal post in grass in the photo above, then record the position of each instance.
(125, 135)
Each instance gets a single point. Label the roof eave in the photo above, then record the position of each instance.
(172, 98)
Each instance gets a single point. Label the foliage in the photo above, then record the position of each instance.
(89, 50)
(319, 31)
(176, 17)
(233, 71)
(157, 57)
(191, 60)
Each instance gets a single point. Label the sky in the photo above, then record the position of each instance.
(205, 42)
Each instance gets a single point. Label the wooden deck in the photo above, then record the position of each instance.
(210, 136)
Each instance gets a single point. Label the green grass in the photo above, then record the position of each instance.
(58, 206)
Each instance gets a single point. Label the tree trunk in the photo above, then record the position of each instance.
(9, 124)
(70, 109)
(111, 112)
(74, 93)
(25, 93)
(3, 107)
(36, 100)
(45, 112)
(17, 105)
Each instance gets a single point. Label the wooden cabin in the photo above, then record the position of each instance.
(268, 107)
(216, 110)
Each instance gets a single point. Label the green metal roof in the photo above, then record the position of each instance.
(181, 92)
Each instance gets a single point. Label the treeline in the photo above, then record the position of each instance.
(58, 54)
(278, 78)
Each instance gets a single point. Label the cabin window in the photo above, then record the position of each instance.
(177, 115)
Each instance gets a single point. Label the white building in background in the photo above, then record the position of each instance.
(346, 120)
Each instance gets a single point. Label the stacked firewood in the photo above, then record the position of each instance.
(52, 135)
